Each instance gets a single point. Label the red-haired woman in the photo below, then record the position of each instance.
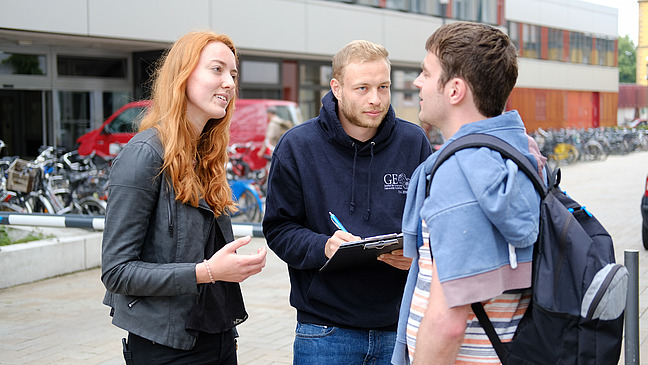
(171, 275)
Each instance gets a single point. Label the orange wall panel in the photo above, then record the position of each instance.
(555, 109)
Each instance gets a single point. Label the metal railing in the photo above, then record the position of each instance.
(96, 222)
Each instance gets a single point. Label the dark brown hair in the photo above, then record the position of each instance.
(481, 55)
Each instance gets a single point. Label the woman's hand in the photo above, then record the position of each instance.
(227, 265)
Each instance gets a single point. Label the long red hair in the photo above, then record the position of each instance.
(196, 168)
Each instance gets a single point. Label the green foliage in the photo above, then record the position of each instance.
(24, 64)
(6, 239)
(627, 60)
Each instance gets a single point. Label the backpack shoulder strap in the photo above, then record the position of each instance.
(477, 140)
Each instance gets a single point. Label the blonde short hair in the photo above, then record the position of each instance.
(358, 51)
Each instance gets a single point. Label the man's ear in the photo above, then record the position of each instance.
(457, 90)
(335, 87)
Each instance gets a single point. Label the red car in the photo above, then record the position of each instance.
(248, 125)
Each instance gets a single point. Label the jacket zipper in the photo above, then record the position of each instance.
(131, 304)
(169, 210)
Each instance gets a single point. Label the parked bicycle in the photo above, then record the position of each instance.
(54, 185)
(246, 185)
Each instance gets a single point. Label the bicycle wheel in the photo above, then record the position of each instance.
(565, 154)
(248, 206)
(40, 204)
(92, 206)
(593, 151)
(15, 204)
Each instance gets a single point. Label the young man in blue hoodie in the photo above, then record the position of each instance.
(355, 159)
(472, 238)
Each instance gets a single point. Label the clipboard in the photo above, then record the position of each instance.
(363, 252)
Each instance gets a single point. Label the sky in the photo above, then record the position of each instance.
(628, 16)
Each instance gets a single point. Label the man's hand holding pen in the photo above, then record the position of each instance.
(336, 240)
(394, 258)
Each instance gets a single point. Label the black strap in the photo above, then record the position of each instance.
(477, 140)
(487, 325)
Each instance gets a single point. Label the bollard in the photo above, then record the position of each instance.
(631, 258)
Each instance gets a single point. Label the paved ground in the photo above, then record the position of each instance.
(62, 320)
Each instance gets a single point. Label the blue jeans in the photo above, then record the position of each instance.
(325, 345)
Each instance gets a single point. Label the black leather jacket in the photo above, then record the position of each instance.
(151, 245)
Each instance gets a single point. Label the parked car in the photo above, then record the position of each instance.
(248, 126)
(637, 123)
(644, 216)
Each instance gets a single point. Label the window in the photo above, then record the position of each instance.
(74, 108)
(368, 2)
(576, 41)
(581, 48)
(587, 49)
(397, 4)
(259, 72)
(314, 78)
(555, 44)
(404, 95)
(22, 64)
(514, 35)
(260, 79)
(483, 11)
(91, 66)
(315, 74)
(531, 38)
(127, 122)
(604, 52)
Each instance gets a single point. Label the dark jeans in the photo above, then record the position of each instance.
(213, 349)
(325, 345)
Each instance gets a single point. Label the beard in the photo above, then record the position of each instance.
(355, 115)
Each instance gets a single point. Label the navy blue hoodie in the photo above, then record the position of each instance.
(317, 168)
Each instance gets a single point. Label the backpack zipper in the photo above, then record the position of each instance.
(562, 247)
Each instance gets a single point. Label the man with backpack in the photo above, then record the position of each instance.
(472, 240)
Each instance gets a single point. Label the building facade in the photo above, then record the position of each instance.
(66, 65)
(642, 47)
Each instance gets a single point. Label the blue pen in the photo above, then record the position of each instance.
(337, 222)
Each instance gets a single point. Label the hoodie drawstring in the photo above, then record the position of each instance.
(355, 155)
(368, 212)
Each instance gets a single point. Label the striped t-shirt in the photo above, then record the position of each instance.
(504, 311)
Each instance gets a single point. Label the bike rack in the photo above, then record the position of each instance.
(96, 222)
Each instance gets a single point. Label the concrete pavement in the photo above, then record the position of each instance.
(62, 321)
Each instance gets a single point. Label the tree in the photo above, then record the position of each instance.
(627, 60)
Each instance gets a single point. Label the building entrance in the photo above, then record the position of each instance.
(22, 126)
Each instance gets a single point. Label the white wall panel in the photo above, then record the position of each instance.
(159, 20)
(61, 16)
(331, 26)
(277, 25)
(310, 28)
(565, 14)
(406, 34)
(566, 76)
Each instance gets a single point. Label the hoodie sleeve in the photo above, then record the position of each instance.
(284, 223)
(498, 187)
